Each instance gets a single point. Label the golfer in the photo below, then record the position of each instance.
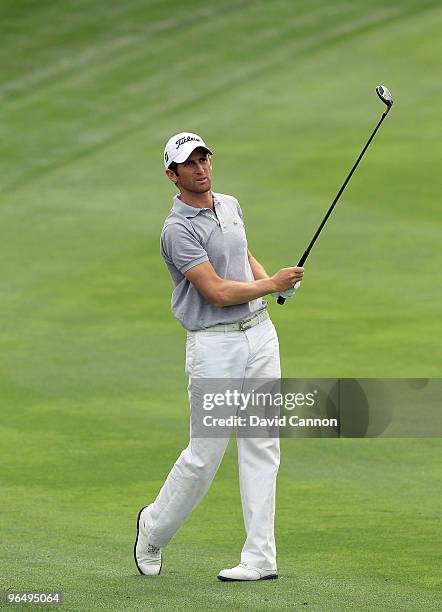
(217, 297)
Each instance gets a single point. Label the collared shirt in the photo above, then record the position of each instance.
(192, 236)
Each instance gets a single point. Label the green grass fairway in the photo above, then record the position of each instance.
(93, 393)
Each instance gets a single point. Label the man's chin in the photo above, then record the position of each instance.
(203, 187)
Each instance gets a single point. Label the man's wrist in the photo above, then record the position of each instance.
(267, 285)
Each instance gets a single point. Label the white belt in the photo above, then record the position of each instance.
(241, 326)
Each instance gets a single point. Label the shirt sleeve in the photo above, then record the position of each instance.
(238, 207)
(180, 247)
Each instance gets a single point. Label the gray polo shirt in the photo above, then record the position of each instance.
(192, 236)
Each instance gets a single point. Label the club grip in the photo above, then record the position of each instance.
(280, 300)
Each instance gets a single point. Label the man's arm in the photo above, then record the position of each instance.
(221, 292)
(258, 270)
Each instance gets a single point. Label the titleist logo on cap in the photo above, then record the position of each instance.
(181, 141)
(180, 146)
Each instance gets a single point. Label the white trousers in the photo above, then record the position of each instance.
(253, 353)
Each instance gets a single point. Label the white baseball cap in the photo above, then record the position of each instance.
(180, 146)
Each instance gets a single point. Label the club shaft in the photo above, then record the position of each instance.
(304, 257)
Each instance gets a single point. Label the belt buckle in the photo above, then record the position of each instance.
(245, 325)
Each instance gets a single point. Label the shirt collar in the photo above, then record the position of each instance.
(184, 209)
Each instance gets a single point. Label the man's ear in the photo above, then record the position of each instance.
(172, 176)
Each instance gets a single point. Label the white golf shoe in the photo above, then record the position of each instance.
(148, 558)
(244, 571)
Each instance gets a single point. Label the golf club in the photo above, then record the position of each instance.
(386, 98)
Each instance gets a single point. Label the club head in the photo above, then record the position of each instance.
(384, 95)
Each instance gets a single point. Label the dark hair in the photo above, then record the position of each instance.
(174, 167)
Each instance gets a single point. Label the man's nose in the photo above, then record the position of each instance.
(199, 167)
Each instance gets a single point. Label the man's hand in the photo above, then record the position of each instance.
(286, 278)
